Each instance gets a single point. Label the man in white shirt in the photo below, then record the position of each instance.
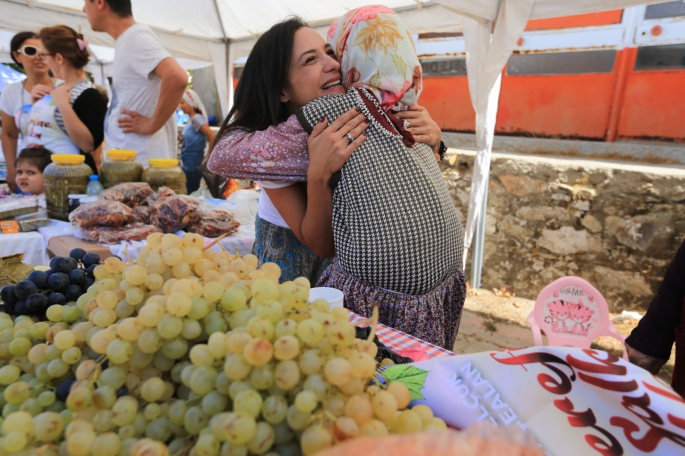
(147, 84)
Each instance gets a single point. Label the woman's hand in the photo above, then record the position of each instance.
(61, 96)
(422, 126)
(39, 91)
(329, 146)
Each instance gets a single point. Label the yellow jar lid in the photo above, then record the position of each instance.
(121, 154)
(68, 159)
(41, 268)
(163, 162)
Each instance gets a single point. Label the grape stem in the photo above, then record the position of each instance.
(125, 252)
(215, 242)
(371, 321)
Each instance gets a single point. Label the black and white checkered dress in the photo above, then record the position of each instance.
(394, 223)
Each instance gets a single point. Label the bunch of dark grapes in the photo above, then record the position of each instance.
(66, 280)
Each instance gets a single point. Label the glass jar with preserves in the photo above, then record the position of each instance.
(66, 175)
(165, 172)
(120, 167)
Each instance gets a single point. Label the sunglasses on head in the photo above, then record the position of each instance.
(31, 51)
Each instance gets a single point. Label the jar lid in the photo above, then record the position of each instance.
(163, 162)
(68, 159)
(89, 199)
(121, 154)
(76, 196)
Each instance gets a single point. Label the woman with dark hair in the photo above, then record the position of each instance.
(15, 100)
(301, 248)
(67, 119)
(395, 229)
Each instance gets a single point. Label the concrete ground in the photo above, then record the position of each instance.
(491, 322)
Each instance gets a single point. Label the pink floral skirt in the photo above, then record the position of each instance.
(433, 316)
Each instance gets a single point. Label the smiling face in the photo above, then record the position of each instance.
(35, 64)
(29, 178)
(314, 71)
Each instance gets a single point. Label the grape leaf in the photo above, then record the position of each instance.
(412, 377)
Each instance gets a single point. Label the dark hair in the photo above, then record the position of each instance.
(17, 41)
(121, 8)
(257, 100)
(63, 40)
(40, 157)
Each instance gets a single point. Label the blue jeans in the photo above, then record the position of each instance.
(191, 167)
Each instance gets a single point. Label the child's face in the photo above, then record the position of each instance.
(29, 178)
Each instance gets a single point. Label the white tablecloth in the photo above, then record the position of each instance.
(31, 244)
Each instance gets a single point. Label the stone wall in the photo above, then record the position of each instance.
(616, 225)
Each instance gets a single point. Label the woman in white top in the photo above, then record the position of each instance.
(70, 118)
(15, 100)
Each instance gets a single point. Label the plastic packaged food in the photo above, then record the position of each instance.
(165, 172)
(66, 175)
(102, 213)
(174, 213)
(16, 205)
(142, 213)
(109, 235)
(131, 194)
(120, 167)
(214, 223)
(31, 222)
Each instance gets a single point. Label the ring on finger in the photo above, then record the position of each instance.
(350, 138)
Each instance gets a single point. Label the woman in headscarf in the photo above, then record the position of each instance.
(396, 232)
(195, 134)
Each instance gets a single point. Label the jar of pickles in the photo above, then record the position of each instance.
(165, 172)
(120, 167)
(66, 175)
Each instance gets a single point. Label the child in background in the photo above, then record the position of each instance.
(30, 166)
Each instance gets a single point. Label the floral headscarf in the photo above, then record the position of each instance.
(376, 51)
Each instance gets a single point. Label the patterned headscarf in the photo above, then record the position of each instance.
(193, 99)
(376, 51)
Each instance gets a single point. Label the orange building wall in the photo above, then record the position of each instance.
(653, 105)
(556, 105)
(579, 20)
(449, 103)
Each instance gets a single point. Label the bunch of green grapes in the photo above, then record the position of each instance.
(193, 352)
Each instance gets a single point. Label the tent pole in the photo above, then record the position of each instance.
(479, 241)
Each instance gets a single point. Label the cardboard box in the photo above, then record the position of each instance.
(9, 227)
(62, 245)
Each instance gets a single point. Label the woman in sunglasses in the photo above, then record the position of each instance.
(15, 100)
(69, 118)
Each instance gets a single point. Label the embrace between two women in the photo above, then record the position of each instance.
(347, 160)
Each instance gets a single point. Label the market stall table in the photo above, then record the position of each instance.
(31, 244)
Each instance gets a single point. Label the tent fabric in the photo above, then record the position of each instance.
(221, 31)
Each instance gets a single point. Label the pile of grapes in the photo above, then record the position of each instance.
(67, 279)
(191, 352)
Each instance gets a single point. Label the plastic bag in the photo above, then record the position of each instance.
(109, 235)
(174, 213)
(142, 214)
(131, 194)
(102, 213)
(214, 223)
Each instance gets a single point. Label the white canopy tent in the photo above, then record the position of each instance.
(221, 31)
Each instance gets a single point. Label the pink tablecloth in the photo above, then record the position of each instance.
(400, 342)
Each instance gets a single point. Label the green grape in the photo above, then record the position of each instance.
(9, 374)
(124, 410)
(260, 327)
(194, 420)
(311, 361)
(107, 300)
(174, 349)
(286, 327)
(199, 309)
(206, 445)
(262, 377)
(119, 351)
(262, 440)
(178, 305)
(48, 426)
(287, 374)
(297, 420)
(104, 397)
(191, 329)
(149, 341)
(163, 363)
(248, 402)
(234, 300)
(102, 421)
(200, 355)
(130, 329)
(235, 427)
(310, 332)
(306, 401)
(286, 347)
(203, 379)
(315, 438)
(213, 291)
(107, 444)
(152, 411)
(218, 345)
(46, 398)
(159, 429)
(258, 352)
(275, 409)
(71, 355)
(152, 390)
(213, 403)
(136, 274)
(20, 347)
(169, 327)
(114, 377)
(237, 340)
(316, 384)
